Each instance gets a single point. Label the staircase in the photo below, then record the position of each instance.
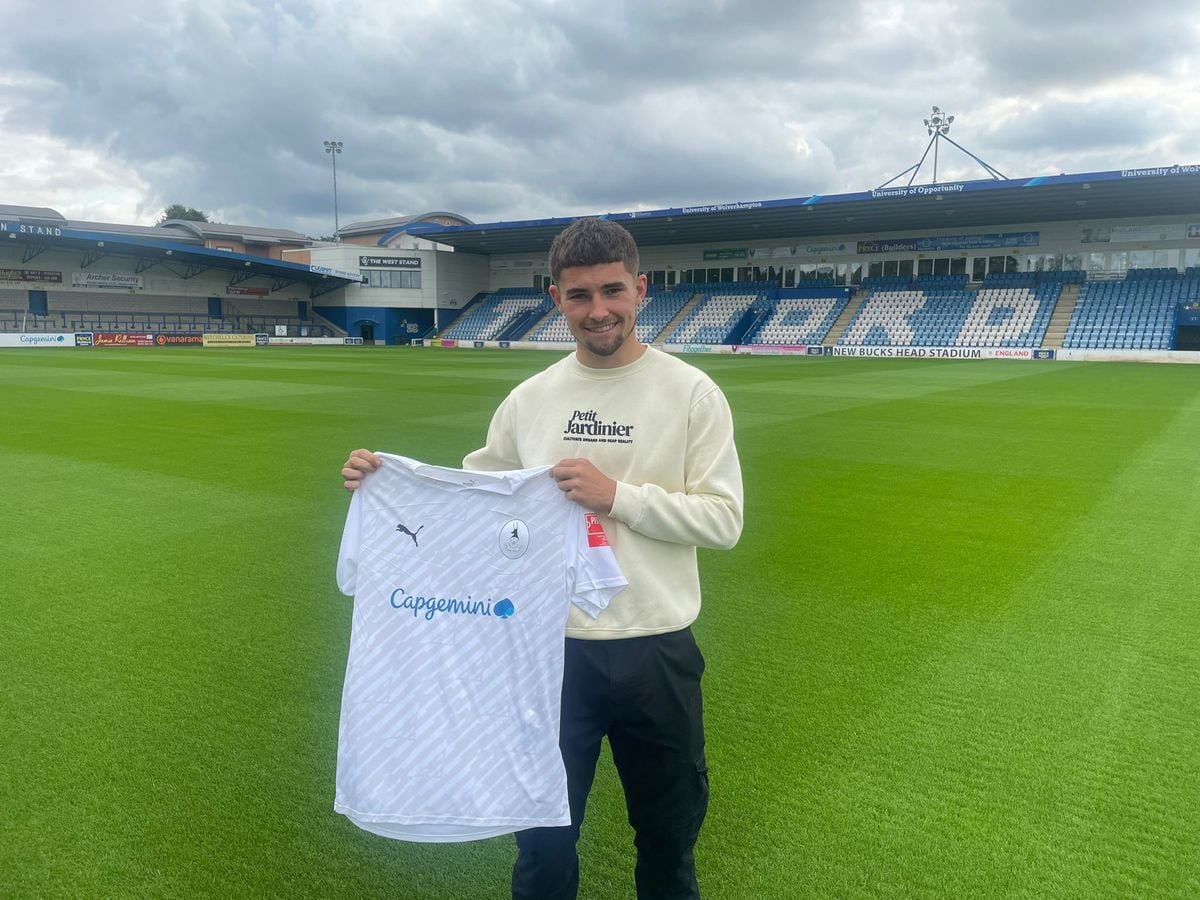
(1068, 298)
(321, 320)
(843, 321)
(683, 313)
(536, 326)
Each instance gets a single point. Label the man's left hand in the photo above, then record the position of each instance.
(586, 485)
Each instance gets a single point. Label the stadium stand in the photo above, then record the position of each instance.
(1009, 309)
(555, 329)
(505, 310)
(720, 313)
(153, 313)
(1135, 314)
(942, 316)
(940, 282)
(800, 317)
(886, 282)
(660, 308)
(1032, 279)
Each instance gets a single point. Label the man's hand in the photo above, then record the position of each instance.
(360, 464)
(586, 485)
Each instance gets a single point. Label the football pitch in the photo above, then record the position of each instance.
(956, 653)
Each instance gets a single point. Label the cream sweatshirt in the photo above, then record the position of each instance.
(663, 431)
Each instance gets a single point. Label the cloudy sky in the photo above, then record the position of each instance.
(513, 109)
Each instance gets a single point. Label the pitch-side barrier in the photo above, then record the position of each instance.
(173, 339)
(224, 340)
(1019, 353)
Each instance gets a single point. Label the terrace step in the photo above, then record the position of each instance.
(843, 321)
(678, 318)
(1060, 319)
(536, 326)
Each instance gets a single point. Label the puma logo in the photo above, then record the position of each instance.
(411, 534)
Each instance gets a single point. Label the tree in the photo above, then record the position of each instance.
(179, 211)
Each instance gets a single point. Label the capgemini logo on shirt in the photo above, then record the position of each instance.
(428, 607)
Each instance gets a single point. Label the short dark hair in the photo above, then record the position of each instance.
(592, 242)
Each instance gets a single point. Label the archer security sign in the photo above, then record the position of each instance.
(108, 280)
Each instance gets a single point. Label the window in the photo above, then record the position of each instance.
(1166, 259)
(388, 278)
(1037, 262)
(1141, 259)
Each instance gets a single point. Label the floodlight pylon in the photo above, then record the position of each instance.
(937, 126)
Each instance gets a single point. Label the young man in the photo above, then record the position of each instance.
(645, 441)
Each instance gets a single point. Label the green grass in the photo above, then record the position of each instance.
(956, 654)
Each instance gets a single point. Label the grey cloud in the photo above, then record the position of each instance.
(1033, 46)
(541, 108)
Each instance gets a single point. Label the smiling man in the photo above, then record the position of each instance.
(645, 442)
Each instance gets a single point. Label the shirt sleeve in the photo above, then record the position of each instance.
(348, 554)
(499, 453)
(594, 577)
(708, 511)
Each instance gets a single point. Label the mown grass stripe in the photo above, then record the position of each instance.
(955, 653)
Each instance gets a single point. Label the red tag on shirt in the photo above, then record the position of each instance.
(595, 531)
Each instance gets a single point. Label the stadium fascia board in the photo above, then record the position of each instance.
(468, 236)
(73, 238)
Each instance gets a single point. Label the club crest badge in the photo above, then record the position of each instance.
(514, 538)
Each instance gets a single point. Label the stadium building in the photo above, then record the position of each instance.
(1065, 264)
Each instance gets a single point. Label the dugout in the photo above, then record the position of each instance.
(1187, 327)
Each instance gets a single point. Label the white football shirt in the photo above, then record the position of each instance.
(450, 710)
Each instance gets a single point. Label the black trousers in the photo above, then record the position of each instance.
(644, 694)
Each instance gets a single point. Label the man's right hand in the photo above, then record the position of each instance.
(360, 464)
